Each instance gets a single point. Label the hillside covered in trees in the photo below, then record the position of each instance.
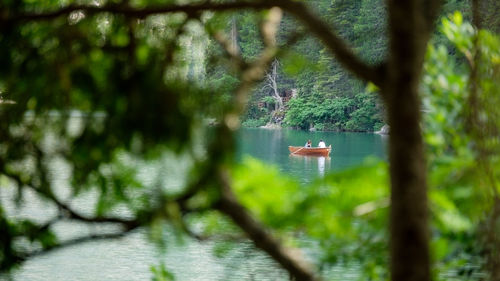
(305, 87)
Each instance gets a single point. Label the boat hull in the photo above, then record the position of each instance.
(310, 151)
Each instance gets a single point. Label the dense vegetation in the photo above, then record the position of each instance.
(327, 98)
(107, 89)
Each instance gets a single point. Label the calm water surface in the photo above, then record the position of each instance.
(130, 258)
(348, 149)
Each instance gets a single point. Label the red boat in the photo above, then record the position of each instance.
(310, 151)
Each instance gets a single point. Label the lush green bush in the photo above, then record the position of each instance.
(460, 110)
(367, 116)
(299, 114)
(337, 114)
(254, 123)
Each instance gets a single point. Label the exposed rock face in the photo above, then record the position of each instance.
(271, 126)
(384, 130)
(276, 120)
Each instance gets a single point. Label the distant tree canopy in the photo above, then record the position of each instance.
(363, 25)
(325, 80)
(103, 88)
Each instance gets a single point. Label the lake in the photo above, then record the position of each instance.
(348, 149)
(130, 257)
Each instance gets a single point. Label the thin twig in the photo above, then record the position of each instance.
(68, 212)
(77, 241)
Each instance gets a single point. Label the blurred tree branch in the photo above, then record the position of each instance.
(291, 259)
(76, 241)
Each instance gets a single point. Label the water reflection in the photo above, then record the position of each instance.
(311, 163)
(321, 165)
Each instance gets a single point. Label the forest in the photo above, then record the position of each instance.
(325, 97)
(94, 93)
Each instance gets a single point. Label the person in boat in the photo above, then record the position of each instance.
(321, 143)
(308, 143)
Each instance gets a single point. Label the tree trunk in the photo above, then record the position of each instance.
(234, 35)
(272, 77)
(492, 242)
(409, 211)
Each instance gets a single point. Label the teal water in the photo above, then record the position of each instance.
(348, 150)
(130, 257)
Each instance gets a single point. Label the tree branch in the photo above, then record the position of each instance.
(126, 10)
(70, 213)
(286, 257)
(128, 224)
(430, 10)
(80, 240)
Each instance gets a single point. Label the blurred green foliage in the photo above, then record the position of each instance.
(460, 114)
(341, 218)
(160, 273)
(99, 93)
(107, 95)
